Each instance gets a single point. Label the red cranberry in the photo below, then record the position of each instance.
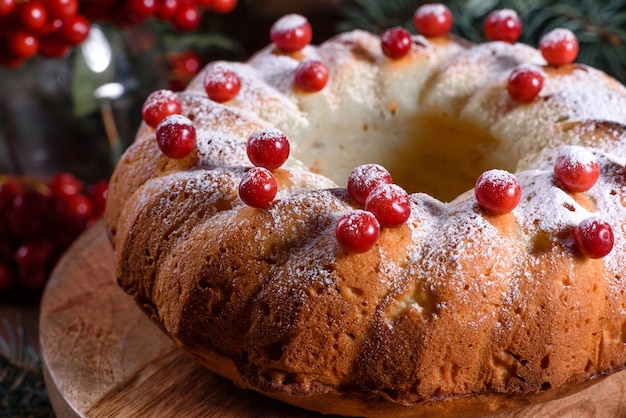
(525, 83)
(357, 231)
(365, 178)
(59, 9)
(311, 75)
(32, 14)
(74, 29)
(221, 85)
(396, 42)
(158, 105)
(497, 191)
(98, 193)
(268, 148)
(7, 7)
(577, 169)
(23, 44)
(34, 255)
(503, 25)
(390, 204)
(594, 238)
(176, 136)
(65, 184)
(186, 18)
(223, 6)
(291, 32)
(258, 187)
(559, 46)
(166, 9)
(433, 20)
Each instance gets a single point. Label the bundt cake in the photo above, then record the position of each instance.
(247, 220)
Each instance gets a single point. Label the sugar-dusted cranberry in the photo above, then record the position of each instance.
(357, 231)
(433, 20)
(503, 25)
(390, 204)
(497, 191)
(594, 237)
(559, 46)
(221, 84)
(268, 148)
(258, 187)
(311, 75)
(158, 105)
(396, 42)
(176, 136)
(291, 32)
(524, 83)
(577, 169)
(365, 178)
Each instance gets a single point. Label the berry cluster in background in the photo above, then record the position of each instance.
(52, 28)
(38, 221)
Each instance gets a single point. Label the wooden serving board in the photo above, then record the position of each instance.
(102, 357)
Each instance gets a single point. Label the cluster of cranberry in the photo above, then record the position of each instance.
(291, 33)
(267, 149)
(183, 15)
(386, 205)
(38, 221)
(558, 47)
(576, 170)
(51, 28)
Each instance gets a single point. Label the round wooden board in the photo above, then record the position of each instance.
(102, 357)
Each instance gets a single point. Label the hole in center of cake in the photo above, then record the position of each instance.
(432, 154)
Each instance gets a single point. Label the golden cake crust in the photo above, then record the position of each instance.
(457, 312)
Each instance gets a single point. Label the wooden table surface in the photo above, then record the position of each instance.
(102, 357)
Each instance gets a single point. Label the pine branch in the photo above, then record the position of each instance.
(22, 389)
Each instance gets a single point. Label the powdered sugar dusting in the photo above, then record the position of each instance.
(574, 155)
(432, 9)
(497, 177)
(289, 22)
(503, 14)
(556, 36)
(176, 119)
